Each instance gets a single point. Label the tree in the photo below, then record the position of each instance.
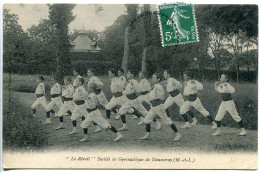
(146, 35)
(131, 15)
(60, 16)
(14, 43)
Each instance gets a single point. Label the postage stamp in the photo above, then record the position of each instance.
(177, 23)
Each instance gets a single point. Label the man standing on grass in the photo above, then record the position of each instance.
(39, 92)
(131, 89)
(118, 98)
(145, 87)
(102, 100)
(173, 88)
(95, 115)
(190, 91)
(68, 105)
(156, 97)
(55, 98)
(227, 105)
(80, 108)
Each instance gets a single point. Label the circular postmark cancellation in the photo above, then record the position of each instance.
(177, 24)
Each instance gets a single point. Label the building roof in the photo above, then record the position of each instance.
(84, 44)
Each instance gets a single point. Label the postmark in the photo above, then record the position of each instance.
(177, 24)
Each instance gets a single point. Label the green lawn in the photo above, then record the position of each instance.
(23, 131)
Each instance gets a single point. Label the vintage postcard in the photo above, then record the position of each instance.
(130, 86)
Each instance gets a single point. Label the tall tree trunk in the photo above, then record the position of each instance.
(126, 50)
(144, 59)
(237, 70)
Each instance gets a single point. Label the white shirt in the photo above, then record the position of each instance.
(96, 80)
(92, 101)
(173, 84)
(80, 93)
(122, 79)
(116, 85)
(192, 87)
(224, 88)
(67, 91)
(56, 89)
(157, 92)
(132, 87)
(40, 89)
(74, 82)
(144, 85)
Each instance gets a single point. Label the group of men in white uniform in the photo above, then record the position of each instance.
(128, 98)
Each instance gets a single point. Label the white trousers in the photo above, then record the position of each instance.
(171, 100)
(79, 111)
(128, 106)
(67, 106)
(54, 101)
(40, 101)
(160, 111)
(144, 98)
(97, 117)
(230, 107)
(196, 104)
(102, 100)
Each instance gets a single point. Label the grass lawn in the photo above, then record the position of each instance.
(197, 138)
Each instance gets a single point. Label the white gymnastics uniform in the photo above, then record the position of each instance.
(122, 79)
(175, 96)
(227, 104)
(102, 100)
(156, 94)
(40, 91)
(190, 91)
(132, 88)
(67, 94)
(80, 106)
(55, 97)
(94, 113)
(118, 98)
(145, 88)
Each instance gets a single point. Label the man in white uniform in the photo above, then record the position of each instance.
(95, 115)
(190, 91)
(102, 100)
(145, 88)
(173, 88)
(156, 97)
(118, 98)
(55, 99)
(39, 92)
(227, 105)
(132, 88)
(80, 108)
(68, 105)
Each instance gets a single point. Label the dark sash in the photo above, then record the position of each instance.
(226, 96)
(174, 93)
(79, 102)
(91, 110)
(131, 96)
(192, 97)
(118, 94)
(54, 95)
(156, 102)
(39, 95)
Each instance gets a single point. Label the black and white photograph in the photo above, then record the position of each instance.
(129, 86)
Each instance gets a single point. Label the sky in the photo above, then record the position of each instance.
(87, 15)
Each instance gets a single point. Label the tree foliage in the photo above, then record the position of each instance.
(60, 17)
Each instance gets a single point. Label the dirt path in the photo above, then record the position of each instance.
(197, 138)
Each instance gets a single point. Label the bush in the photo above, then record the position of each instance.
(20, 130)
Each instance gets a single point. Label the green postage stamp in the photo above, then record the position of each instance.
(177, 23)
